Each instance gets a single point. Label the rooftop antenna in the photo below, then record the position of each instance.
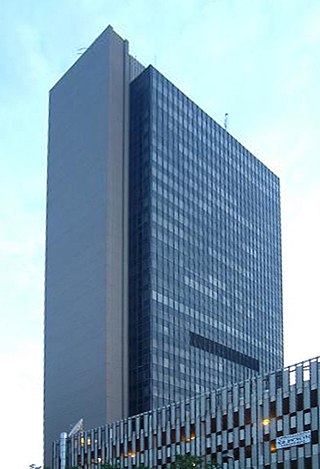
(226, 121)
(78, 427)
(81, 50)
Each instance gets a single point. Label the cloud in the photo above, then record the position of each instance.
(301, 256)
(21, 406)
(310, 27)
(257, 60)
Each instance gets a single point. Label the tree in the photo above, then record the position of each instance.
(192, 462)
(181, 462)
(186, 462)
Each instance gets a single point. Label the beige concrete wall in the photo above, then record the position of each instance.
(86, 305)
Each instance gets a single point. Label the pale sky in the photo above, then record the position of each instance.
(258, 60)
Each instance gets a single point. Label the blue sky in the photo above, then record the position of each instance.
(258, 60)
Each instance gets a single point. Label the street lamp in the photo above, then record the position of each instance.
(259, 446)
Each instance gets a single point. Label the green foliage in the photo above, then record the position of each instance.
(182, 462)
(193, 462)
(186, 462)
(110, 466)
(116, 466)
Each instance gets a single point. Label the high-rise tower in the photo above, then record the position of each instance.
(86, 293)
(163, 268)
(205, 251)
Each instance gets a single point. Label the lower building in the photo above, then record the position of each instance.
(270, 421)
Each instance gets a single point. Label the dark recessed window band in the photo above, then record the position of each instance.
(222, 351)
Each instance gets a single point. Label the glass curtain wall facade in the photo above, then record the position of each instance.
(205, 252)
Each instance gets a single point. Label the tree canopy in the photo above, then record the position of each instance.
(181, 462)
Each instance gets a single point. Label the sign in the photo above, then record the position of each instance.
(293, 440)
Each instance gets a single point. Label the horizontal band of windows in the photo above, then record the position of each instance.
(223, 351)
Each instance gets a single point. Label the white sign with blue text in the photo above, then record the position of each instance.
(293, 440)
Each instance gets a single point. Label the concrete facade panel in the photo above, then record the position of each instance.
(86, 361)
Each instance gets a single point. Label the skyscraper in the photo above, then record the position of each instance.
(205, 301)
(86, 310)
(163, 253)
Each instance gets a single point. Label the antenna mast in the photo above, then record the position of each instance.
(226, 121)
(78, 427)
